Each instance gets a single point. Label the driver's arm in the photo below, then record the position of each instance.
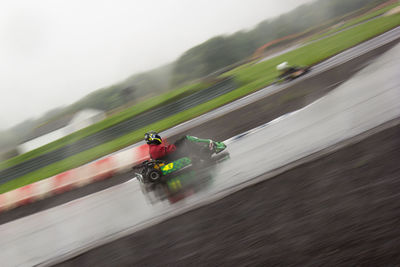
(168, 148)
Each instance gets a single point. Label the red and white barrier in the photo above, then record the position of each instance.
(95, 171)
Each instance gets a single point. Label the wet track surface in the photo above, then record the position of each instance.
(123, 209)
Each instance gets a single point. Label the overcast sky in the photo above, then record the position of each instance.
(53, 52)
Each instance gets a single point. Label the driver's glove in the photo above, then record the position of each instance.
(211, 145)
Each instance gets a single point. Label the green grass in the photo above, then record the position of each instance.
(317, 51)
(251, 77)
(108, 122)
(355, 21)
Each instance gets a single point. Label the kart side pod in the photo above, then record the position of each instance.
(175, 165)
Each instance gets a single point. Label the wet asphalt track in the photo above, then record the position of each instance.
(367, 100)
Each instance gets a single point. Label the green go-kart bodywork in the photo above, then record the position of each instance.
(175, 165)
(186, 161)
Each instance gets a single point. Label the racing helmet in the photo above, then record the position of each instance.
(152, 137)
(282, 66)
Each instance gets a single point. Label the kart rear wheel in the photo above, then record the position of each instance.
(154, 176)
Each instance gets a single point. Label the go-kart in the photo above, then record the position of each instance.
(293, 73)
(154, 171)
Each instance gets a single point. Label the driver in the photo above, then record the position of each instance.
(158, 147)
(284, 68)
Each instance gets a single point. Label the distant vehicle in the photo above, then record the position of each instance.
(289, 73)
(156, 171)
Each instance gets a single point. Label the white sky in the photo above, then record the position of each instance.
(53, 52)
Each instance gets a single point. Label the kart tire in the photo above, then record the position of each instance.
(154, 176)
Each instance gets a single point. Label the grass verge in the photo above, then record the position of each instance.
(251, 77)
(355, 21)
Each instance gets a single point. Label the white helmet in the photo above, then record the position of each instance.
(282, 66)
